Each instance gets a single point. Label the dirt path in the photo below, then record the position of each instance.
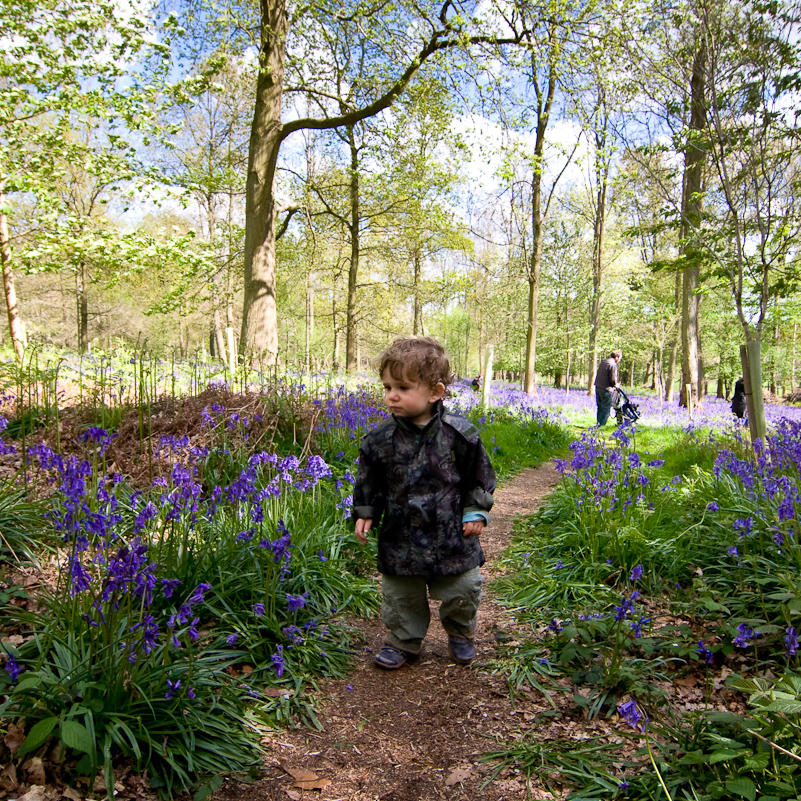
(416, 733)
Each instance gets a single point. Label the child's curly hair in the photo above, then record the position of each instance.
(416, 358)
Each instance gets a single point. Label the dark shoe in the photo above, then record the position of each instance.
(462, 650)
(391, 658)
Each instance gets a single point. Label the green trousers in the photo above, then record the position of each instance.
(405, 611)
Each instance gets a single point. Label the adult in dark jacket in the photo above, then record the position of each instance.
(605, 382)
(738, 402)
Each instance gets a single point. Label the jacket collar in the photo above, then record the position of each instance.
(430, 427)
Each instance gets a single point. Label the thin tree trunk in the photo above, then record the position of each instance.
(691, 213)
(601, 177)
(773, 361)
(83, 308)
(543, 115)
(670, 379)
(14, 323)
(336, 332)
(418, 307)
(353, 271)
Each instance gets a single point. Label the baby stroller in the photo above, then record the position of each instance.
(625, 410)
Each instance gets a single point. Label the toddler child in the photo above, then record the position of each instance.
(425, 475)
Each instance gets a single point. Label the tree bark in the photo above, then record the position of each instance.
(418, 306)
(353, 270)
(14, 323)
(691, 219)
(83, 308)
(601, 177)
(670, 379)
(259, 339)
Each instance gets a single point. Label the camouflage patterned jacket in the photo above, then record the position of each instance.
(418, 483)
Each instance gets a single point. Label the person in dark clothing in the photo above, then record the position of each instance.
(425, 475)
(738, 403)
(605, 382)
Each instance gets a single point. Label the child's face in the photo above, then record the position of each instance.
(410, 399)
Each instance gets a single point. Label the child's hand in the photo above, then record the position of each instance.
(473, 528)
(363, 525)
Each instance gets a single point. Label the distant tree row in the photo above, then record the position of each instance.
(553, 179)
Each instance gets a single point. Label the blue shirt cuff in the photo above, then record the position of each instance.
(469, 517)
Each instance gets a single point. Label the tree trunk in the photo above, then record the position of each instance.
(601, 177)
(670, 379)
(14, 323)
(418, 307)
(336, 363)
(544, 105)
(309, 320)
(773, 361)
(259, 339)
(530, 378)
(83, 308)
(353, 271)
(691, 219)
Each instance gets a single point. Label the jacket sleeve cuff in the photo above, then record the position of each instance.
(475, 514)
(365, 513)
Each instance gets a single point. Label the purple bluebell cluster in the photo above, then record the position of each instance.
(630, 712)
(5, 448)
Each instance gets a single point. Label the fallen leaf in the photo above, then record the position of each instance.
(293, 795)
(687, 681)
(320, 784)
(34, 770)
(15, 736)
(276, 692)
(14, 639)
(72, 794)
(247, 670)
(458, 775)
(8, 778)
(302, 775)
(38, 793)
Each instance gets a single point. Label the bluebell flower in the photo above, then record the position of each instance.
(705, 653)
(258, 609)
(173, 687)
(278, 661)
(12, 668)
(791, 641)
(231, 639)
(631, 714)
(746, 633)
(636, 573)
(712, 507)
(295, 602)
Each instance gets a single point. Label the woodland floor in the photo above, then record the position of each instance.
(419, 733)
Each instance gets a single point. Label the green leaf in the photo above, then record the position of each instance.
(723, 756)
(693, 758)
(37, 735)
(784, 789)
(779, 705)
(76, 736)
(209, 789)
(742, 787)
(757, 761)
(28, 682)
